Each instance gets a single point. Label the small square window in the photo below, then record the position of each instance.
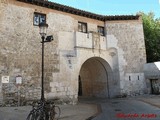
(39, 18)
(100, 30)
(82, 27)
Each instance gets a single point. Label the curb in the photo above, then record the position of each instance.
(149, 103)
(99, 111)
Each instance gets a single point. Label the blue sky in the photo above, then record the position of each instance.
(114, 7)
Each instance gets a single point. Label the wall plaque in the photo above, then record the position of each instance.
(5, 79)
(18, 79)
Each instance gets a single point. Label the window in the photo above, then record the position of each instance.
(39, 18)
(82, 27)
(101, 30)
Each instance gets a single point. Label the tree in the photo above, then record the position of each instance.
(151, 28)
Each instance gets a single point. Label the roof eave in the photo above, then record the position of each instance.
(67, 9)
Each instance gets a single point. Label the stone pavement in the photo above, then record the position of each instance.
(96, 109)
(128, 109)
(144, 107)
(150, 99)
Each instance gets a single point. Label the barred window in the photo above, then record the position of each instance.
(39, 18)
(100, 30)
(82, 27)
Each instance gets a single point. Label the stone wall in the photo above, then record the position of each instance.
(127, 37)
(20, 54)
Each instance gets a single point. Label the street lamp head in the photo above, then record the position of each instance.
(43, 29)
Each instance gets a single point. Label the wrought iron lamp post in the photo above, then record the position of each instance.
(43, 32)
(45, 110)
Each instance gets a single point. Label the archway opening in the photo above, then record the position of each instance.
(93, 78)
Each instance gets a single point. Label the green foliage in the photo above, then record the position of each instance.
(151, 28)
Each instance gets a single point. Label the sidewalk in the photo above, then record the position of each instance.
(81, 111)
(153, 100)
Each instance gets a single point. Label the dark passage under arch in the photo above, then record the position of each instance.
(93, 78)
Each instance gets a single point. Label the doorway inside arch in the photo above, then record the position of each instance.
(94, 78)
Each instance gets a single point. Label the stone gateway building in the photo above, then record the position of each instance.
(92, 55)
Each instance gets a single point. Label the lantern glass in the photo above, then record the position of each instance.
(43, 29)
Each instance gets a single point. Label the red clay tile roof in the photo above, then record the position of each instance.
(79, 12)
